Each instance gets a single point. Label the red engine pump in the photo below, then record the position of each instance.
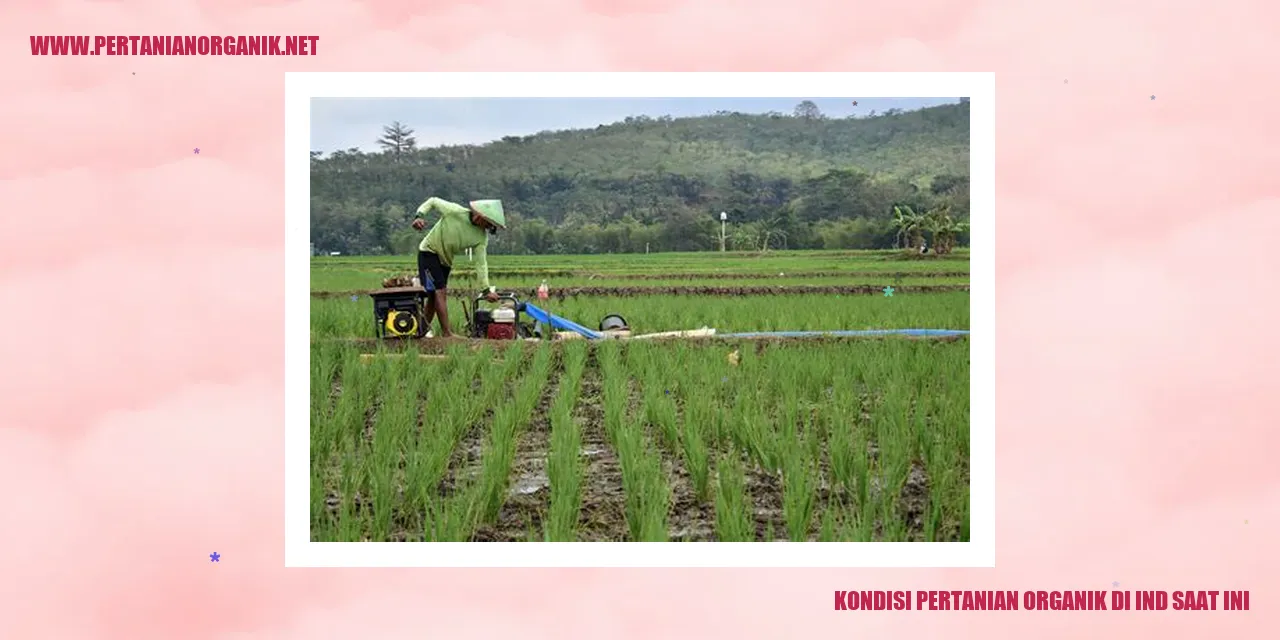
(502, 324)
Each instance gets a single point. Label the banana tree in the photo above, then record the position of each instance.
(944, 229)
(760, 235)
(910, 227)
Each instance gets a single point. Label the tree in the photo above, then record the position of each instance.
(944, 229)
(660, 183)
(948, 184)
(909, 226)
(397, 139)
(807, 110)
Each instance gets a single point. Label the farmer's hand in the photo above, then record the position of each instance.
(491, 296)
(419, 223)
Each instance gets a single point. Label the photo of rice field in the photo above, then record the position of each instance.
(639, 320)
(827, 439)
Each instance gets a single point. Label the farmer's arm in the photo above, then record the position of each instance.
(444, 207)
(481, 258)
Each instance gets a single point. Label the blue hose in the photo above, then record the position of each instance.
(931, 333)
(545, 317)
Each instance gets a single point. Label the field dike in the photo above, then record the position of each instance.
(626, 292)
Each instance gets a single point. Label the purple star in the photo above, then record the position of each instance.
(1115, 584)
(1153, 97)
(197, 150)
(213, 557)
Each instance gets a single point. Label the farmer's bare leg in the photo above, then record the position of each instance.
(442, 311)
(428, 309)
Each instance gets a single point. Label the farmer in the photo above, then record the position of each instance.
(459, 228)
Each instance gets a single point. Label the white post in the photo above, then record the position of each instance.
(723, 217)
(646, 247)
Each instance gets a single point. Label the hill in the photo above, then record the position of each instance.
(799, 181)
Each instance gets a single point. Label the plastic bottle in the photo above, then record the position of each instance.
(543, 293)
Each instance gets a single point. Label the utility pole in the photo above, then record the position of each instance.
(724, 217)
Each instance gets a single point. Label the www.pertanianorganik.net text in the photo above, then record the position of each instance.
(174, 45)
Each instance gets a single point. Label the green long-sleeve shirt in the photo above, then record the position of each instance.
(454, 233)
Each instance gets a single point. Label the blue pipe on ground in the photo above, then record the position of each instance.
(931, 333)
(545, 317)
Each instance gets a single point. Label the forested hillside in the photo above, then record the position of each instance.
(799, 180)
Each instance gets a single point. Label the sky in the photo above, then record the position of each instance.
(343, 123)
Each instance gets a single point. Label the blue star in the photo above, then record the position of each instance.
(355, 298)
(888, 292)
(213, 557)
(1153, 97)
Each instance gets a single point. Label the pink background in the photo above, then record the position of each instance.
(1137, 367)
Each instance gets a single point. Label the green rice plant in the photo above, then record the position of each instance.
(564, 463)
(644, 486)
(798, 474)
(733, 510)
(469, 506)
(342, 317)
(396, 422)
(508, 421)
(697, 455)
(661, 414)
(867, 413)
(441, 397)
(647, 495)
(843, 444)
(753, 430)
(349, 527)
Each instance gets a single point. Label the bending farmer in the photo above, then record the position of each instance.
(459, 228)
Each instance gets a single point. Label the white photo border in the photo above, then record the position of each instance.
(301, 87)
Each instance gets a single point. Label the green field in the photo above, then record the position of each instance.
(712, 269)
(697, 440)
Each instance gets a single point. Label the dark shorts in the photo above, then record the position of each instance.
(433, 274)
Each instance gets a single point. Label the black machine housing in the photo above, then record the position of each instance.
(407, 299)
